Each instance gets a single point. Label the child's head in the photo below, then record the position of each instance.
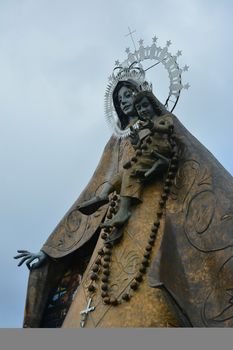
(147, 105)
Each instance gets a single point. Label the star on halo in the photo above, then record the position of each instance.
(127, 50)
(186, 86)
(140, 42)
(154, 39)
(117, 63)
(169, 43)
(179, 53)
(185, 68)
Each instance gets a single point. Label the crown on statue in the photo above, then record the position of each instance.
(134, 73)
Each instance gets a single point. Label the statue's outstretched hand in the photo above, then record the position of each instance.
(29, 257)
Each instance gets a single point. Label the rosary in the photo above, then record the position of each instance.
(111, 236)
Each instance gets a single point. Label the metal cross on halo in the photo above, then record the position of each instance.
(84, 313)
(131, 36)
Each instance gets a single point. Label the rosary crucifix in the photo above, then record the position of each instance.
(84, 313)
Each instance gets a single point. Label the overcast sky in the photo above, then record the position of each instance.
(55, 58)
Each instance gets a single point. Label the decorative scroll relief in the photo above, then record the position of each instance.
(185, 180)
(124, 265)
(74, 226)
(218, 306)
(207, 210)
(208, 223)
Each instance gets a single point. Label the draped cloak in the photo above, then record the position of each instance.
(194, 262)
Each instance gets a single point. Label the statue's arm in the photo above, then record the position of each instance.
(27, 257)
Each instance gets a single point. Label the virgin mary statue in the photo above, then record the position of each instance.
(148, 243)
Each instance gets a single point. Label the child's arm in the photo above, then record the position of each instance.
(134, 138)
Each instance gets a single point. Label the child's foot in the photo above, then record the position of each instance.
(90, 206)
(115, 236)
(118, 220)
(159, 167)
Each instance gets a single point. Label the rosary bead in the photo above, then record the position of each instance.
(104, 279)
(94, 276)
(142, 269)
(162, 203)
(95, 268)
(104, 235)
(106, 258)
(154, 229)
(104, 287)
(115, 197)
(101, 252)
(166, 189)
(112, 210)
(127, 165)
(107, 300)
(148, 248)
(109, 216)
(113, 204)
(146, 254)
(145, 262)
(91, 288)
(106, 265)
(98, 261)
(108, 245)
(126, 296)
(168, 182)
(134, 285)
(151, 240)
(106, 272)
(159, 213)
(153, 235)
(173, 167)
(134, 159)
(139, 153)
(107, 229)
(148, 140)
(139, 277)
(156, 223)
(164, 196)
(171, 174)
(108, 251)
(113, 301)
(104, 294)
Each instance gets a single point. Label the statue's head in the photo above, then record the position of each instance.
(147, 105)
(123, 100)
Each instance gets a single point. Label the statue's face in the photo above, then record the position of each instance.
(126, 100)
(144, 108)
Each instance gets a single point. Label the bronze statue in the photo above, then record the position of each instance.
(149, 240)
(151, 152)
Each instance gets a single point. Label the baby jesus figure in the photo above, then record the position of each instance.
(153, 152)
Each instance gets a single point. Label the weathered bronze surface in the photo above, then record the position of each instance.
(76, 229)
(191, 275)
